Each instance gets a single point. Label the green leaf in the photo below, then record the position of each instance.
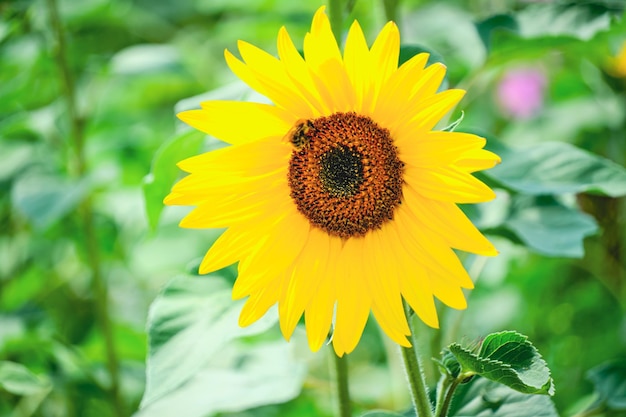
(17, 379)
(448, 364)
(198, 361)
(164, 172)
(452, 126)
(498, 22)
(145, 59)
(381, 413)
(547, 227)
(45, 199)
(15, 157)
(557, 168)
(510, 359)
(484, 398)
(609, 381)
(554, 19)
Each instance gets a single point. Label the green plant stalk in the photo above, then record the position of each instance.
(79, 168)
(445, 393)
(335, 15)
(391, 10)
(415, 375)
(343, 391)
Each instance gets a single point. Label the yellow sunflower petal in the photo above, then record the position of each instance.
(257, 305)
(422, 98)
(222, 119)
(449, 222)
(196, 189)
(319, 313)
(328, 72)
(450, 295)
(299, 73)
(414, 283)
(383, 282)
(430, 251)
(477, 160)
(304, 280)
(232, 210)
(250, 159)
(335, 87)
(271, 82)
(272, 73)
(393, 95)
(448, 184)
(320, 44)
(437, 148)
(231, 246)
(384, 61)
(353, 299)
(281, 247)
(356, 59)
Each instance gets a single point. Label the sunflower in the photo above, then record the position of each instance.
(339, 198)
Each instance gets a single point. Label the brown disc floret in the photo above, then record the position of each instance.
(347, 180)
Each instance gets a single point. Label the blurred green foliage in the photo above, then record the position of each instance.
(132, 61)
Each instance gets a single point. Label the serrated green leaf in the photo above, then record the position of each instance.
(197, 361)
(556, 168)
(17, 379)
(448, 364)
(510, 359)
(164, 172)
(484, 398)
(609, 381)
(550, 228)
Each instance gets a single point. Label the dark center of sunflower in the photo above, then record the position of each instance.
(341, 171)
(344, 174)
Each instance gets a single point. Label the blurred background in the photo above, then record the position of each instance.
(89, 142)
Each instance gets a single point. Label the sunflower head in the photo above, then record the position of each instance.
(339, 198)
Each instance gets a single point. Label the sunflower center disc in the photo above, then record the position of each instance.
(341, 171)
(344, 174)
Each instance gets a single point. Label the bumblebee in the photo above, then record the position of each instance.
(300, 135)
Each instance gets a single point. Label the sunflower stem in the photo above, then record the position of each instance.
(415, 375)
(343, 392)
(78, 167)
(335, 15)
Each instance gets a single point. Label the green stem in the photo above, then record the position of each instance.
(391, 10)
(442, 389)
(335, 15)
(415, 375)
(445, 395)
(343, 392)
(79, 168)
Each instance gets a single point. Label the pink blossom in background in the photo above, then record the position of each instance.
(521, 92)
